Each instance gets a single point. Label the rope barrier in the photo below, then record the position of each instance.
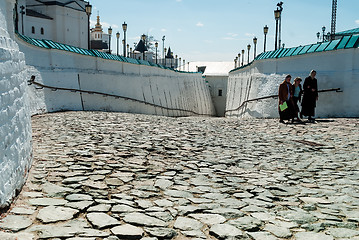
(275, 96)
(41, 86)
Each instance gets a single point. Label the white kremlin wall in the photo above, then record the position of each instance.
(15, 122)
(335, 69)
(161, 87)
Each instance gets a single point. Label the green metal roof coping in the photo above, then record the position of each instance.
(353, 42)
(343, 43)
(348, 32)
(49, 44)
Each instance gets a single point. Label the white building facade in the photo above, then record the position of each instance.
(61, 21)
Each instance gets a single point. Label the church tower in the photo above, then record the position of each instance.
(99, 39)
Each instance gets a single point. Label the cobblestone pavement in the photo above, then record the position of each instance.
(123, 176)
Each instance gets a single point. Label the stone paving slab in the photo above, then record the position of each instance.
(123, 176)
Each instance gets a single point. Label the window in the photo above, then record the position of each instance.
(220, 92)
(33, 30)
(42, 31)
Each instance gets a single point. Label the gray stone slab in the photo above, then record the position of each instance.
(209, 219)
(312, 236)
(72, 180)
(224, 231)
(78, 197)
(15, 223)
(187, 224)
(246, 223)
(47, 201)
(128, 231)
(262, 236)
(143, 220)
(99, 208)
(280, 232)
(53, 214)
(178, 194)
(161, 233)
(102, 220)
(16, 236)
(123, 209)
(53, 190)
(82, 205)
(343, 232)
(23, 210)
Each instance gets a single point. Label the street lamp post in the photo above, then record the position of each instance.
(144, 42)
(22, 11)
(179, 65)
(131, 53)
(164, 58)
(184, 65)
(265, 30)
(109, 39)
(242, 57)
(88, 9)
(156, 46)
(249, 48)
(124, 27)
(128, 49)
(277, 17)
(118, 42)
(176, 61)
(318, 36)
(255, 46)
(239, 59)
(235, 62)
(323, 29)
(163, 47)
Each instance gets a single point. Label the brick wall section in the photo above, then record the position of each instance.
(15, 121)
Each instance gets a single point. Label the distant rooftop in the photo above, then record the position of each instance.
(212, 68)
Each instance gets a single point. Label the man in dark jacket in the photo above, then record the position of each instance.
(285, 94)
(310, 96)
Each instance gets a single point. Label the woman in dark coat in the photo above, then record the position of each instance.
(310, 96)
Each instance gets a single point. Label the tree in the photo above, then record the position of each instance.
(150, 43)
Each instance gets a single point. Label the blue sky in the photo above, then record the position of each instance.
(208, 30)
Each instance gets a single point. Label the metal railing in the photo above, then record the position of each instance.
(275, 96)
(41, 86)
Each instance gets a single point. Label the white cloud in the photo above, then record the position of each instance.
(357, 22)
(232, 34)
(179, 30)
(178, 0)
(228, 38)
(163, 30)
(199, 24)
(249, 34)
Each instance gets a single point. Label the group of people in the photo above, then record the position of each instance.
(290, 94)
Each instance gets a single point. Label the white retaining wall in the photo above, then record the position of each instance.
(163, 87)
(15, 122)
(335, 69)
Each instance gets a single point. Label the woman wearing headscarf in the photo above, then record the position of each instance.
(310, 96)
